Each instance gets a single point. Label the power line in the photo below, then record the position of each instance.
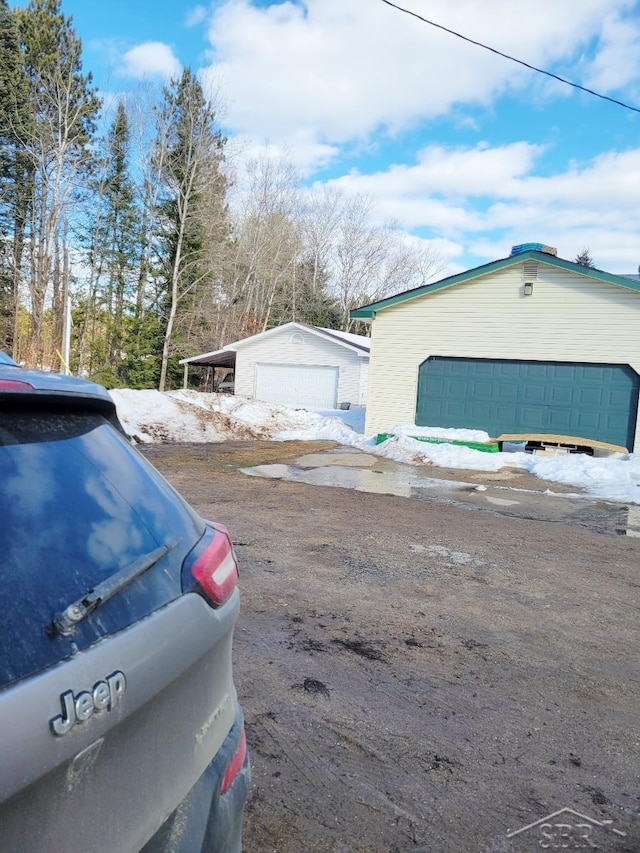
(513, 58)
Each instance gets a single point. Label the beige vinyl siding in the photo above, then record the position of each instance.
(569, 317)
(364, 382)
(299, 348)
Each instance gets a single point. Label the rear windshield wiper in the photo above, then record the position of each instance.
(66, 621)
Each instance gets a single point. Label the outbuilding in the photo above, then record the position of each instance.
(296, 365)
(528, 344)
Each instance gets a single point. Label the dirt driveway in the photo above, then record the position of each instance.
(422, 675)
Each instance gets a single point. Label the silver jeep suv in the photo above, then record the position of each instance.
(119, 723)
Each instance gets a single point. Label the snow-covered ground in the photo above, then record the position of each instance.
(151, 416)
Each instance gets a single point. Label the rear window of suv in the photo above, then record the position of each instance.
(77, 504)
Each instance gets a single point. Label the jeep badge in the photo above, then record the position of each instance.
(77, 708)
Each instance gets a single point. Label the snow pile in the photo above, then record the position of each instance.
(439, 432)
(191, 416)
(150, 416)
(606, 478)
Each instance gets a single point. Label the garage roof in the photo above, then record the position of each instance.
(219, 358)
(367, 312)
(226, 357)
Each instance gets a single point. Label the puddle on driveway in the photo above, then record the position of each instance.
(365, 472)
(354, 459)
(405, 484)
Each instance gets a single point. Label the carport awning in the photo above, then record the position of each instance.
(220, 358)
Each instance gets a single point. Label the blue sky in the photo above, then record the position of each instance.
(465, 150)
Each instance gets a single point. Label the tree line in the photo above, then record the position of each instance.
(133, 236)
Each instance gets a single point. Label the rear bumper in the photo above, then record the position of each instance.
(207, 820)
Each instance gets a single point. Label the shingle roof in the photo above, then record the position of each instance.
(226, 356)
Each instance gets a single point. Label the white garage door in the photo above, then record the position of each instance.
(297, 385)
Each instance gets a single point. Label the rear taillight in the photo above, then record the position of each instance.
(235, 765)
(15, 385)
(216, 569)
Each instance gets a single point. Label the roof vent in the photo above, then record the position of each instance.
(533, 247)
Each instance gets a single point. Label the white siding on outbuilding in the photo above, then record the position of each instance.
(299, 347)
(568, 318)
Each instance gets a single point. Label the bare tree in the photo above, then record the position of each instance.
(366, 261)
(64, 106)
(188, 154)
(320, 225)
(267, 240)
(359, 252)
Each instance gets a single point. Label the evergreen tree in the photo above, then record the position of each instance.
(189, 151)
(120, 245)
(584, 259)
(305, 299)
(15, 123)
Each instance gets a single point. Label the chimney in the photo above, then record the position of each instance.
(533, 247)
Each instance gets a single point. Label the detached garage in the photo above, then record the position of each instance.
(527, 344)
(297, 365)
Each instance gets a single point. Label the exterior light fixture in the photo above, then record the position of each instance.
(528, 288)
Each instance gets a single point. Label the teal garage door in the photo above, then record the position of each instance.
(593, 401)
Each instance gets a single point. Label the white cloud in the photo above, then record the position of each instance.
(151, 59)
(196, 16)
(340, 70)
(446, 188)
(456, 193)
(617, 62)
(331, 80)
(301, 150)
(453, 172)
